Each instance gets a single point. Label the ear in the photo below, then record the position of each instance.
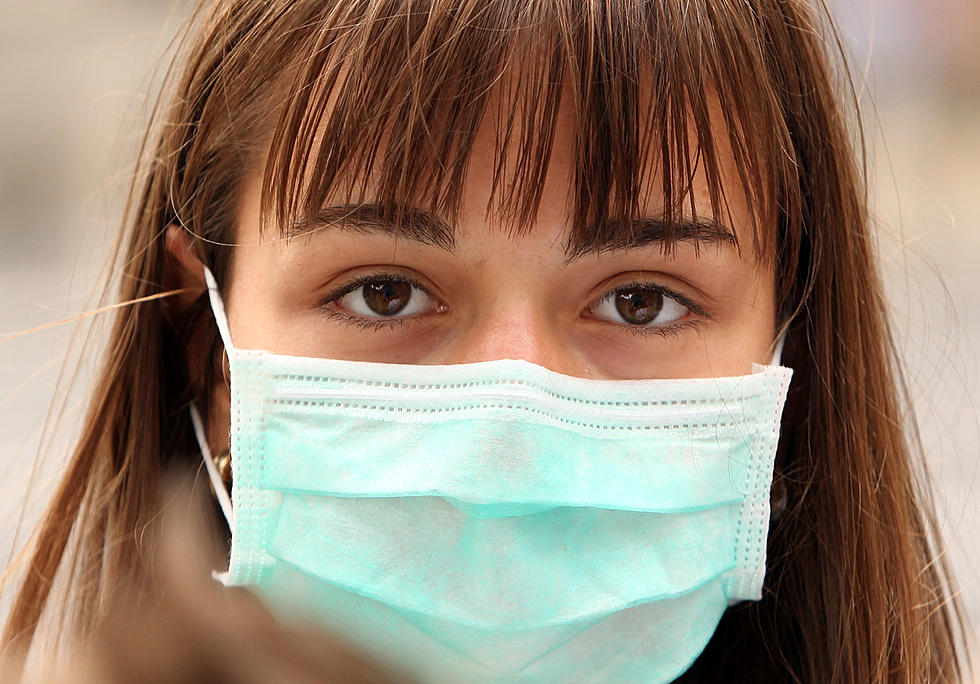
(183, 269)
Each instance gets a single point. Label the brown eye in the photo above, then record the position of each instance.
(386, 297)
(640, 306)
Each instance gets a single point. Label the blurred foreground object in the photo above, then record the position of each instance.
(186, 627)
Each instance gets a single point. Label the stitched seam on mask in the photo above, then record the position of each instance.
(454, 409)
(502, 396)
(261, 475)
(722, 401)
(247, 515)
(751, 537)
(240, 518)
(755, 534)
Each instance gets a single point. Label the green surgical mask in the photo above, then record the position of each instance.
(497, 521)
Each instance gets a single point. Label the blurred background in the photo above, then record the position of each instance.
(76, 82)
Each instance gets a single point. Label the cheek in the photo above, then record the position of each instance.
(741, 331)
(256, 317)
(747, 334)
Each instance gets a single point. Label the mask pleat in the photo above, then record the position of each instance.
(500, 522)
(499, 466)
(518, 572)
(617, 648)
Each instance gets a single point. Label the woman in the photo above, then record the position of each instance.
(615, 191)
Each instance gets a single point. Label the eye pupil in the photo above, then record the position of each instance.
(387, 298)
(639, 306)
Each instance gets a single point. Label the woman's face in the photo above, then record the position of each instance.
(444, 293)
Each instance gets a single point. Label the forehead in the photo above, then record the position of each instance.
(623, 120)
(479, 209)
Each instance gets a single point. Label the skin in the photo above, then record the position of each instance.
(495, 296)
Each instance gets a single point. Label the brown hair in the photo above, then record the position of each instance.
(857, 588)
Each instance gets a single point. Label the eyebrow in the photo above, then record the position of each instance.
(425, 228)
(405, 222)
(644, 231)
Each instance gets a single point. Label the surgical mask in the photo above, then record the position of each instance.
(497, 521)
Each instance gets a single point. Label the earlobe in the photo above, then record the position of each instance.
(183, 269)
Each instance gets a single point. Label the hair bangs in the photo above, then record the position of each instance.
(386, 103)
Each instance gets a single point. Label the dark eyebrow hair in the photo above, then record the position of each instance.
(424, 228)
(644, 231)
(414, 224)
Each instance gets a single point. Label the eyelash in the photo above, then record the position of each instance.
(664, 331)
(378, 324)
(374, 324)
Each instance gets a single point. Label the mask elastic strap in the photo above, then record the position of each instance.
(216, 482)
(777, 354)
(218, 307)
(221, 319)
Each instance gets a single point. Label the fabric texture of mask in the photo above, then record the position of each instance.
(497, 521)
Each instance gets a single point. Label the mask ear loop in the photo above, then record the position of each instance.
(216, 482)
(218, 307)
(779, 495)
(220, 491)
(777, 354)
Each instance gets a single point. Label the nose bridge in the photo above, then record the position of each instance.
(514, 328)
(511, 330)
(516, 299)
